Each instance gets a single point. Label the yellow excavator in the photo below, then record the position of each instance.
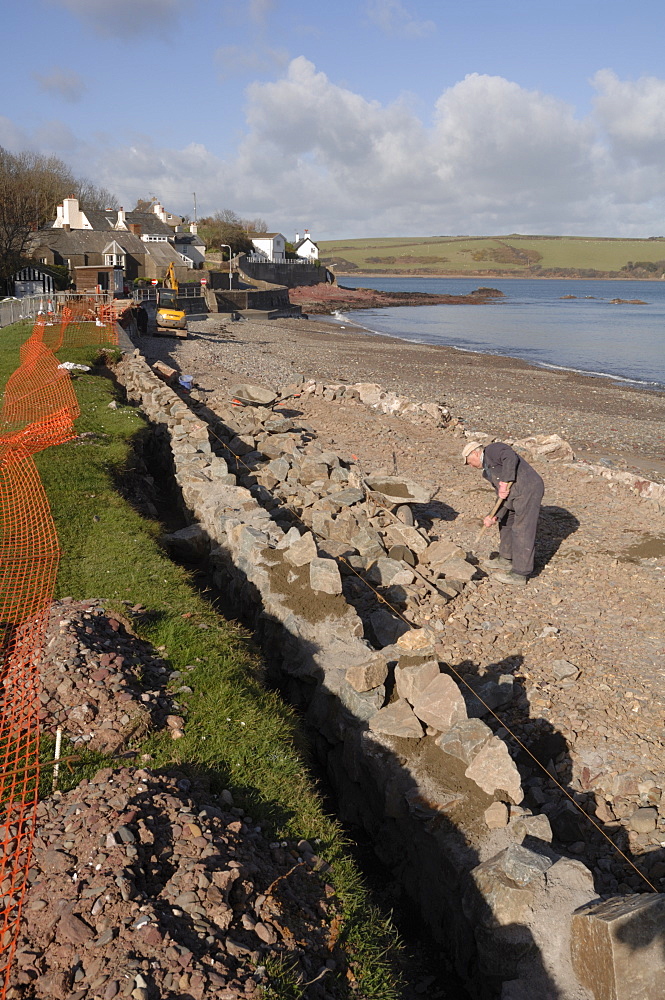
(171, 319)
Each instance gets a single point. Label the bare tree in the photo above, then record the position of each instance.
(31, 187)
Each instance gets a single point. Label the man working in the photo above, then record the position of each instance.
(521, 490)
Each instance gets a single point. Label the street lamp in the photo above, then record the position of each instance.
(225, 246)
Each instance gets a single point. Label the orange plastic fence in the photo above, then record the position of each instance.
(38, 410)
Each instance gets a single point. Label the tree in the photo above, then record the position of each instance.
(31, 187)
(225, 227)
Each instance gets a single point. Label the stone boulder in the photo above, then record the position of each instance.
(440, 704)
(494, 771)
(397, 719)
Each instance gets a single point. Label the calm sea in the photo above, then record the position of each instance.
(535, 322)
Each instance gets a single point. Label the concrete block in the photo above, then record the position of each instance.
(617, 947)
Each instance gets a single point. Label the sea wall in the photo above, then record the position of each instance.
(295, 541)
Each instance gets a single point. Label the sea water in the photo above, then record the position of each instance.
(535, 321)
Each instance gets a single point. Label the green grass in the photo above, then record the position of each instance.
(238, 734)
(511, 254)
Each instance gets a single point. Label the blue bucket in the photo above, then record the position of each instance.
(186, 381)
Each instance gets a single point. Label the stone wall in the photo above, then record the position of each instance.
(404, 744)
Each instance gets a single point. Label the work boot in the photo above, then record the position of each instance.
(516, 579)
(498, 563)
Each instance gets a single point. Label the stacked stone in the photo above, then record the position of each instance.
(414, 764)
(145, 886)
(374, 396)
(102, 685)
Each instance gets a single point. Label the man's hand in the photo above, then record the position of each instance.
(503, 490)
(489, 521)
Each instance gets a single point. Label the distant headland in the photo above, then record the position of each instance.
(512, 256)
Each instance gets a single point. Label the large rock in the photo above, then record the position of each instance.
(324, 576)
(456, 569)
(386, 627)
(403, 534)
(412, 678)
(439, 552)
(499, 904)
(301, 550)
(617, 947)
(494, 770)
(549, 446)
(397, 720)
(388, 572)
(366, 676)
(440, 704)
(465, 740)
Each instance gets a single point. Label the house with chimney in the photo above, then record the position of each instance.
(108, 249)
(305, 247)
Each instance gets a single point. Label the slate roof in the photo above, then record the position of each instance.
(193, 238)
(79, 241)
(148, 221)
(305, 239)
(162, 253)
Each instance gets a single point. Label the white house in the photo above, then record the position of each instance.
(306, 247)
(271, 247)
(190, 246)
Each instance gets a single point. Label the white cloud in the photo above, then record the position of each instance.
(126, 18)
(497, 158)
(632, 112)
(393, 18)
(64, 83)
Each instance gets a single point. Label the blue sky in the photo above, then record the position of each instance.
(365, 118)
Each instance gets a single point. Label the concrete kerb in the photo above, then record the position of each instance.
(421, 826)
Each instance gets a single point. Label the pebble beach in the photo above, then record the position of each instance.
(596, 600)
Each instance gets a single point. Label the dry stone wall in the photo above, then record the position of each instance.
(289, 532)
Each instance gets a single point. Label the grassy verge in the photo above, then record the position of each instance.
(238, 734)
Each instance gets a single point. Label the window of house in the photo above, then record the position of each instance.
(114, 260)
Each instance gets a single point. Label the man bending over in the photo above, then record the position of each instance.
(521, 489)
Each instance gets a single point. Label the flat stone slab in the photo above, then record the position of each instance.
(397, 720)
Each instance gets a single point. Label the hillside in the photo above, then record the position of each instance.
(513, 255)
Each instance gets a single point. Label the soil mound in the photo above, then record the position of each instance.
(143, 885)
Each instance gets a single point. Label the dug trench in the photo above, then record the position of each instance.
(476, 858)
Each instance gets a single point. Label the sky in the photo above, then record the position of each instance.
(354, 119)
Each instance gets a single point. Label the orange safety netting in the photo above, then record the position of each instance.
(38, 410)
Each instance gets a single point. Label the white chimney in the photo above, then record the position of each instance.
(194, 228)
(297, 237)
(306, 234)
(121, 223)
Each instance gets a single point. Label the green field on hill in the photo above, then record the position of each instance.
(525, 256)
